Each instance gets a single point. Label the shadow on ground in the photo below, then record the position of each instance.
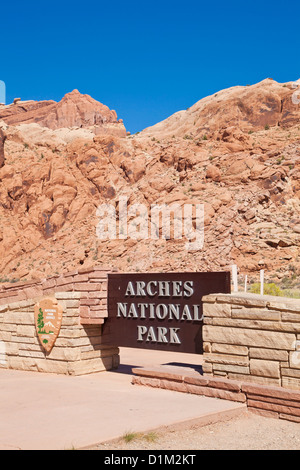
(127, 368)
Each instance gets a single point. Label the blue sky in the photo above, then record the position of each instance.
(146, 60)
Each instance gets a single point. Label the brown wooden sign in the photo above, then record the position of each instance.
(160, 311)
(48, 318)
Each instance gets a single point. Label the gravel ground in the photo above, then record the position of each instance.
(247, 432)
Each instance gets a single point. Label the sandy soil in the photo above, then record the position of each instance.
(247, 432)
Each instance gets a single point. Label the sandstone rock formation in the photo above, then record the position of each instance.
(237, 153)
(2, 140)
(74, 110)
(248, 108)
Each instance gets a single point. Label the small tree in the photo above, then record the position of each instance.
(40, 321)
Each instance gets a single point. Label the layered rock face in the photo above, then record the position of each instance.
(236, 152)
(249, 108)
(74, 110)
(2, 140)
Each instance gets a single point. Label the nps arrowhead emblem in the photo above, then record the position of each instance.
(48, 318)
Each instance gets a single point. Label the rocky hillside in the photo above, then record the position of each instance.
(237, 152)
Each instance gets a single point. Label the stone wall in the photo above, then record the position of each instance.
(91, 282)
(252, 338)
(251, 355)
(265, 400)
(79, 349)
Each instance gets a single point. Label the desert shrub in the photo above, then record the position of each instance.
(269, 289)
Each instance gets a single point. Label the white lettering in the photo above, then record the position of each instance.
(121, 309)
(130, 289)
(161, 315)
(143, 309)
(141, 331)
(132, 311)
(174, 310)
(176, 288)
(164, 289)
(152, 311)
(196, 313)
(162, 332)
(189, 290)
(173, 336)
(149, 291)
(160, 288)
(186, 313)
(115, 460)
(151, 335)
(161, 311)
(140, 288)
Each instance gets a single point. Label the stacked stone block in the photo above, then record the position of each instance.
(251, 355)
(265, 400)
(79, 349)
(252, 338)
(90, 281)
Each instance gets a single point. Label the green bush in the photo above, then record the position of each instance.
(269, 289)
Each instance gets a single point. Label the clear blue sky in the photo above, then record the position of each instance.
(146, 60)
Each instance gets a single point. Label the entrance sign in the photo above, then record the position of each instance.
(48, 318)
(160, 311)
